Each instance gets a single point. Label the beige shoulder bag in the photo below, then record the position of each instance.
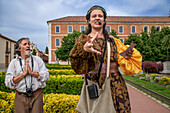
(104, 102)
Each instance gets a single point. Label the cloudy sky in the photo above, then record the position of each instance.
(28, 18)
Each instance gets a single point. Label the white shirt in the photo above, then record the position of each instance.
(14, 69)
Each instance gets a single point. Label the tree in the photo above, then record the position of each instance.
(34, 52)
(114, 33)
(67, 44)
(150, 45)
(46, 50)
(166, 44)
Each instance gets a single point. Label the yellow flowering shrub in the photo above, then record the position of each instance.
(65, 76)
(165, 79)
(2, 73)
(53, 103)
(153, 75)
(60, 103)
(4, 106)
(7, 102)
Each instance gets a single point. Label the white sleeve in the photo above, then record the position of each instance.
(10, 74)
(43, 71)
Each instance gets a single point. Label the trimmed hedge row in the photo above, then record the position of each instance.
(66, 76)
(53, 103)
(57, 66)
(2, 85)
(63, 85)
(62, 72)
(54, 85)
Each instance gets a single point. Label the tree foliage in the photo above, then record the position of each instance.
(46, 50)
(150, 45)
(166, 44)
(34, 52)
(67, 44)
(114, 33)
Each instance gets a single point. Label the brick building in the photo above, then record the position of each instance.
(39, 53)
(123, 25)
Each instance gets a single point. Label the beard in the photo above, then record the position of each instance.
(27, 53)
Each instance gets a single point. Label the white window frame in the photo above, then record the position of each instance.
(81, 29)
(56, 43)
(131, 29)
(122, 39)
(110, 28)
(68, 28)
(122, 28)
(59, 28)
(159, 27)
(144, 28)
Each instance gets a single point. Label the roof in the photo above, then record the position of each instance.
(116, 19)
(7, 38)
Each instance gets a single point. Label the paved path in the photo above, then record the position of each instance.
(141, 103)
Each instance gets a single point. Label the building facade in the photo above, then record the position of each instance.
(39, 53)
(7, 48)
(123, 25)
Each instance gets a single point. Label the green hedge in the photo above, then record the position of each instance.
(54, 85)
(63, 85)
(2, 85)
(57, 66)
(62, 72)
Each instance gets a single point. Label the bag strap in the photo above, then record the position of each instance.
(108, 58)
(100, 65)
(101, 61)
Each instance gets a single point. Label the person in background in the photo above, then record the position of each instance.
(87, 53)
(27, 74)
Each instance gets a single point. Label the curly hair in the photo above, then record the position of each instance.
(18, 45)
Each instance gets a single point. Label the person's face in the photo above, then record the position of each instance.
(97, 19)
(25, 48)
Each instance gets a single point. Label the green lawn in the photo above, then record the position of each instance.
(152, 86)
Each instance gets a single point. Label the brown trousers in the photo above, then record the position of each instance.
(25, 104)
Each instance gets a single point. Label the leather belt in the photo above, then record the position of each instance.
(24, 94)
(113, 68)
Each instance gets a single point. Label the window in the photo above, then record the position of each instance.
(70, 29)
(57, 29)
(108, 29)
(158, 28)
(121, 39)
(6, 46)
(146, 28)
(82, 28)
(57, 42)
(14, 49)
(133, 29)
(120, 29)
